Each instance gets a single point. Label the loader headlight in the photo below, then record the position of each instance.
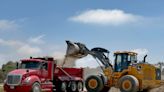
(138, 68)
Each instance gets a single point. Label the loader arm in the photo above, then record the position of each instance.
(79, 50)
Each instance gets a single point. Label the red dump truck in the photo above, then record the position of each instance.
(43, 75)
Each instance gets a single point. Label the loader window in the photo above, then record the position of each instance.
(118, 60)
(121, 62)
(134, 59)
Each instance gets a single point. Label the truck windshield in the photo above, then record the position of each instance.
(30, 65)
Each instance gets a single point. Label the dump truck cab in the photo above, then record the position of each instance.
(123, 60)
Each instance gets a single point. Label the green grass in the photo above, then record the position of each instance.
(1, 88)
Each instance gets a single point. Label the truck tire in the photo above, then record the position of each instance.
(79, 86)
(94, 83)
(62, 87)
(36, 87)
(73, 87)
(128, 83)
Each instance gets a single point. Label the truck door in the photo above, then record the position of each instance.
(44, 71)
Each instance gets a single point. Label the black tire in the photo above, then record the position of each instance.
(128, 83)
(105, 89)
(36, 87)
(79, 86)
(73, 87)
(94, 83)
(62, 87)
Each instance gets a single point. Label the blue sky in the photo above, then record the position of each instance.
(37, 28)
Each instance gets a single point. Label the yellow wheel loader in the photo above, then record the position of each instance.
(127, 73)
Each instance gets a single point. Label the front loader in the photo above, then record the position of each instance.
(127, 73)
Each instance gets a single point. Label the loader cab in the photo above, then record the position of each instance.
(123, 60)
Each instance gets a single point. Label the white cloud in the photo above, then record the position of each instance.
(11, 43)
(105, 17)
(2, 59)
(37, 40)
(141, 51)
(16, 49)
(8, 25)
(29, 50)
(21, 47)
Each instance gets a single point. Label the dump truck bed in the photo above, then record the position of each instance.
(69, 73)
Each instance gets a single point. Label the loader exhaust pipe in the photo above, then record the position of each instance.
(144, 58)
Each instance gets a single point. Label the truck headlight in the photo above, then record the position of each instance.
(26, 80)
(5, 81)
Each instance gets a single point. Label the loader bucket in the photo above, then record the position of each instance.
(76, 50)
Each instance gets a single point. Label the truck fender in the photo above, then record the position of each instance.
(34, 79)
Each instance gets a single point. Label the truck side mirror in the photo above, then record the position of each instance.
(17, 65)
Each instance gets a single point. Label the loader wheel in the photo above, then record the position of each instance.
(94, 84)
(128, 83)
(36, 87)
(79, 86)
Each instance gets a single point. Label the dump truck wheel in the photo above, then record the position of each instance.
(63, 87)
(94, 83)
(36, 87)
(128, 83)
(73, 87)
(79, 86)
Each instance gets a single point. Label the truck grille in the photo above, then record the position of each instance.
(13, 79)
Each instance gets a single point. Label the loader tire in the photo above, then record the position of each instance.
(94, 83)
(128, 83)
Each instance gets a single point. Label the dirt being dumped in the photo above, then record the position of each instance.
(69, 62)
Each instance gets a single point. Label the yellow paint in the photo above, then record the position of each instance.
(145, 73)
(92, 83)
(126, 85)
